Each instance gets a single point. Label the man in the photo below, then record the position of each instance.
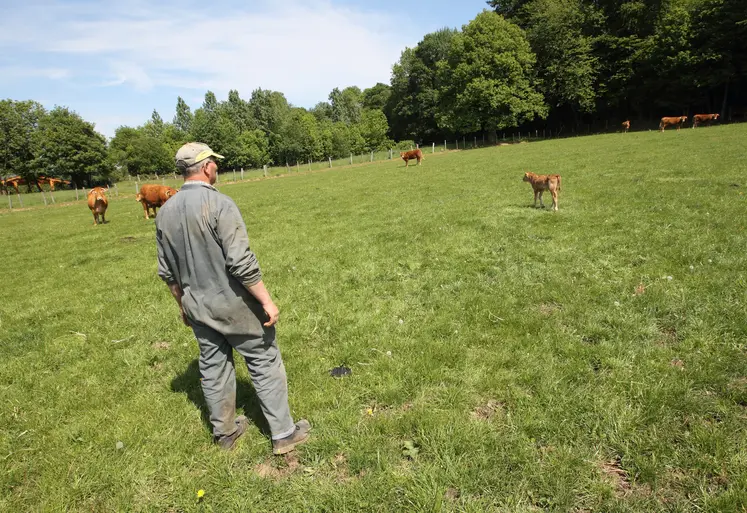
(204, 257)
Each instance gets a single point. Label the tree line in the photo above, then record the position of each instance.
(557, 64)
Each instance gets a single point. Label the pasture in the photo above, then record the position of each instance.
(504, 358)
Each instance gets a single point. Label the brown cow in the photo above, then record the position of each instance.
(704, 118)
(412, 154)
(542, 183)
(677, 121)
(153, 196)
(98, 203)
(626, 126)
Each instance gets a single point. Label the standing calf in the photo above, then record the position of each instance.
(98, 203)
(413, 154)
(153, 196)
(542, 183)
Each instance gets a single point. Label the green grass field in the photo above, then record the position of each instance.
(587, 360)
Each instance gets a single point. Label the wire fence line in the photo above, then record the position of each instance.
(131, 185)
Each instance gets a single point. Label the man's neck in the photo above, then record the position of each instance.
(192, 179)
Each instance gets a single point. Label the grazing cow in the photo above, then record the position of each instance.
(542, 183)
(154, 196)
(704, 118)
(409, 155)
(677, 121)
(98, 203)
(626, 126)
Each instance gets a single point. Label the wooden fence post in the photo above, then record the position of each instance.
(264, 170)
(136, 188)
(372, 156)
(298, 167)
(116, 190)
(475, 144)
(10, 202)
(19, 199)
(433, 149)
(76, 193)
(309, 165)
(234, 175)
(445, 148)
(44, 198)
(330, 162)
(457, 143)
(242, 173)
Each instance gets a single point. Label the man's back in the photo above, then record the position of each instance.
(203, 246)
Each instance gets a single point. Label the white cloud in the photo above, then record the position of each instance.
(33, 72)
(303, 49)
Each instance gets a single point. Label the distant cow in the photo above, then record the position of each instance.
(704, 118)
(677, 121)
(410, 155)
(626, 126)
(154, 196)
(98, 203)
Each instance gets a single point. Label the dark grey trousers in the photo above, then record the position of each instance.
(266, 369)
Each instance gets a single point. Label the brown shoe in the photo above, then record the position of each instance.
(227, 442)
(299, 436)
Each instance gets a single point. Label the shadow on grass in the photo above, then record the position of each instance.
(188, 382)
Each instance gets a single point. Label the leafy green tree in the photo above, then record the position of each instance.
(239, 112)
(322, 111)
(376, 97)
(565, 60)
(301, 140)
(135, 151)
(413, 102)
(69, 146)
(19, 121)
(346, 104)
(373, 128)
(253, 150)
(183, 116)
(487, 80)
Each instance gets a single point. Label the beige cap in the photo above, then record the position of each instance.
(192, 153)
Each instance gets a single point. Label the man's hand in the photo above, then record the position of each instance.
(272, 313)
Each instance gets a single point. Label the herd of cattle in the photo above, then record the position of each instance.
(678, 121)
(151, 196)
(15, 180)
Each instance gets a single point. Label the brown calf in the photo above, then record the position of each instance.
(153, 195)
(98, 204)
(409, 155)
(542, 183)
(626, 126)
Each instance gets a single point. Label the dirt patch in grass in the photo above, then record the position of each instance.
(676, 362)
(488, 410)
(452, 494)
(160, 345)
(639, 290)
(616, 476)
(547, 309)
(278, 468)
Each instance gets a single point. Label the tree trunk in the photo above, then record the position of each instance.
(726, 99)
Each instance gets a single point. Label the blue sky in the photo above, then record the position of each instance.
(114, 62)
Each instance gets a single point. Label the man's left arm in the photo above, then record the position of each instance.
(164, 272)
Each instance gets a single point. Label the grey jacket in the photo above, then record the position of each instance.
(203, 246)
